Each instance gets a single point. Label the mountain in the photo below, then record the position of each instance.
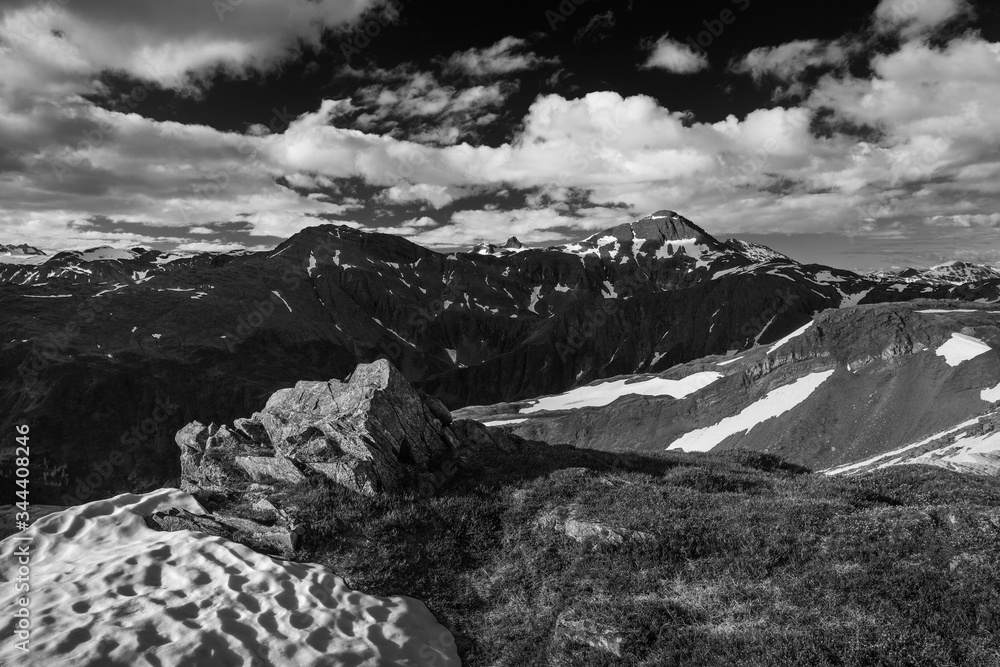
(23, 249)
(851, 389)
(951, 273)
(109, 352)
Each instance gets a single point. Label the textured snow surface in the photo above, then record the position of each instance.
(608, 392)
(776, 403)
(961, 348)
(108, 590)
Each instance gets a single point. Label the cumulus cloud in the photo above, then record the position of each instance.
(507, 56)
(675, 57)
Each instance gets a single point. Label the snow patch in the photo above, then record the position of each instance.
(505, 421)
(776, 403)
(798, 332)
(275, 293)
(187, 598)
(961, 348)
(728, 361)
(608, 392)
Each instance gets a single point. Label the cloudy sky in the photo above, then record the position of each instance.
(860, 134)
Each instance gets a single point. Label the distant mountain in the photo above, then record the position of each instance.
(20, 254)
(951, 273)
(853, 389)
(95, 345)
(23, 249)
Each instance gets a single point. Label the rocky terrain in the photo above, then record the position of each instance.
(109, 352)
(850, 385)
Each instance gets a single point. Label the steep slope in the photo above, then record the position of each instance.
(850, 385)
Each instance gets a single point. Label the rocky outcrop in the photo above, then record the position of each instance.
(371, 433)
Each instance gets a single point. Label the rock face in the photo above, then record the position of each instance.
(370, 434)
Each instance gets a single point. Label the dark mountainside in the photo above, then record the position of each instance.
(109, 352)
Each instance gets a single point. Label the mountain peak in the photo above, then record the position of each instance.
(512, 242)
(663, 225)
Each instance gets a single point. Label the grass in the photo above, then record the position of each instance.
(754, 562)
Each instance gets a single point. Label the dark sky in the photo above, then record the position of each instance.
(853, 133)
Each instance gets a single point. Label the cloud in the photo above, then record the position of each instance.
(58, 45)
(790, 61)
(435, 195)
(507, 56)
(965, 220)
(411, 104)
(913, 18)
(675, 57)
(597, 29)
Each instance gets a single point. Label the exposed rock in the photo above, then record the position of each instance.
(366, 434)
(266, 468)
(564, 520)
(591, 633)
(274, 539)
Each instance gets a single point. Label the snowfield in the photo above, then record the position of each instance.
(106, 589)
(777, 402)
(608, 392)
(961, 348)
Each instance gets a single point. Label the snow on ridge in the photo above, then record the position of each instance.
(505, 422)
(108, 589)
(798, 332)
(890, 457)
(607, 392)
(777, 402)
(961, 348)
(728, 361)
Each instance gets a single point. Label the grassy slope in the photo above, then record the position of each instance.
(752, 562)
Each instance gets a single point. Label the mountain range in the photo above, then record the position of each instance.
(110, 351)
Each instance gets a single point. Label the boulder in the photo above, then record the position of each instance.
(369, 433)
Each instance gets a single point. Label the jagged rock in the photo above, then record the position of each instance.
(267, 468)
(365, 434)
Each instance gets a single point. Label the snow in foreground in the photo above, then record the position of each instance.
(608, 392)
(777, 402)
(106, 589)
(961, 348)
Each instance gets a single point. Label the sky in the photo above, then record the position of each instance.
(856, 134)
